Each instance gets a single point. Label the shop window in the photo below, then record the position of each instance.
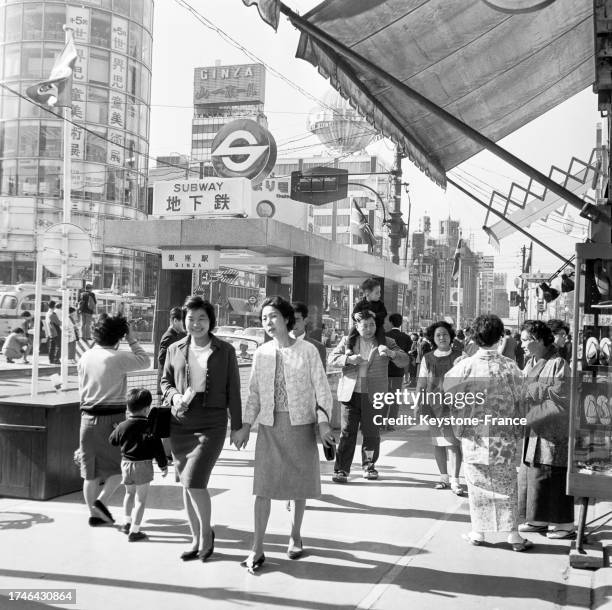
(133, 79)
(50, 139)
(146, 48)
(31, 61)
(55, 17)
(97, 112)
(122, 7)
(137, 9)
(144, 120)
(8, 177)
(145, 87)
(32, 22)
(10, 106)
(147, 18)
(100, 29)
(135, 41)
(49, 178)
(27, 177)
(12, 32)
(8, 141)
(12, 57)
(99, 66)
(28, 138)
(95, 147)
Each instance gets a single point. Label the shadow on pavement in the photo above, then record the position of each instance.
(21, 520)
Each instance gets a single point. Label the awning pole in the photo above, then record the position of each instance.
(512, 224)
(587, 210)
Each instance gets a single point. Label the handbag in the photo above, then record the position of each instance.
(159, 421)
(329, 451)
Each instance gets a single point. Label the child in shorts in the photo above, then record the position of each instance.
(371, 301)
(138, 448)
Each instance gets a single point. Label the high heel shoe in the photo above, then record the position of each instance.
(255, 565)
(205, 555)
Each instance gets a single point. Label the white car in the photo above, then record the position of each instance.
(229, 329)
(245, 346)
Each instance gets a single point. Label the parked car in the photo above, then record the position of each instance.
(226, 330)
(255, 332)
(245, 346)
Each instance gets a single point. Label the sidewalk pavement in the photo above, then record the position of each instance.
(391, 543)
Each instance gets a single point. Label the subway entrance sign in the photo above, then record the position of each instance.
(319, 185)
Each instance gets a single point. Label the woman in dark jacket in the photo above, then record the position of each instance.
(201, 382)
(542, 498)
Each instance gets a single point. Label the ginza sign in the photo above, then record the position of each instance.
(203, 197)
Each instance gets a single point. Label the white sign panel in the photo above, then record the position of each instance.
(278, 192)
(78, 19)
(120, 34)
(205, 197)
(190, 259)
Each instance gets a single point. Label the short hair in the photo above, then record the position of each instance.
(488, 330)
(282, 306)
(556, 326)
(396, 319)
(363, 314)
(18, 330)
(370, 284)
(539, 331)
(176, 313)
(71, 309)
(109, 330)
(300, 307)
(460, 335)
(508, 332)
(51, 304)
(26, 314)
(88, 286)
(138, 399)
(430, 331)
(197, 302)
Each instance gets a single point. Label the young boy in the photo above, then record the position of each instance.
(370, 301)
(138, 448)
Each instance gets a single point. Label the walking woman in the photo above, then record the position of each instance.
(202, 383)
(489, 447)
(542, 498)
(433, 368)
(289, 393)
(102, 388)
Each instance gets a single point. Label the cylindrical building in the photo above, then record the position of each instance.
(110, 97)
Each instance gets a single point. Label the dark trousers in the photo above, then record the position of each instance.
(358, 411)
(395, 383)
(54, 348)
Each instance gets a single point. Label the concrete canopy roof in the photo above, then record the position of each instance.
(258, 245)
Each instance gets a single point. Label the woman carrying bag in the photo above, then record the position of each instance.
(286, 385)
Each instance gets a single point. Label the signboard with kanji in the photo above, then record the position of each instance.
(190, 259)
(237, 84)
(202, 197)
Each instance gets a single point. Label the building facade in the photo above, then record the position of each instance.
(110, 99)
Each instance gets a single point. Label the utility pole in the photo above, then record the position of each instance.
(522, 300)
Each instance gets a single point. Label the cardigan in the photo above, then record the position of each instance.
(305, 381)
(378, 369)
(222, 390)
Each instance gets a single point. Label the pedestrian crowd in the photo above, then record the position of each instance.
(515, 471)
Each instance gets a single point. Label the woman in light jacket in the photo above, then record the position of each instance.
(289, 394)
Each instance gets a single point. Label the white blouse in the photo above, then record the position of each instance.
(198, 364)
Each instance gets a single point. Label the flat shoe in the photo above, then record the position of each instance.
(561, 535)
(519, 547)
(190, 555)
(472, 541)
(95, 521)
(528, 527)
(255, 565)
(441, 485)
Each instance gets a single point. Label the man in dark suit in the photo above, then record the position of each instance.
(299, 330)
(396, 373)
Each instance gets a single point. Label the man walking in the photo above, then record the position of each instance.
(87, 308)
(299, 330)
(53, 328)
(364, 373)
(396, 373)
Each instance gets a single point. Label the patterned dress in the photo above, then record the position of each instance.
(286, 456)
(490, 455)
